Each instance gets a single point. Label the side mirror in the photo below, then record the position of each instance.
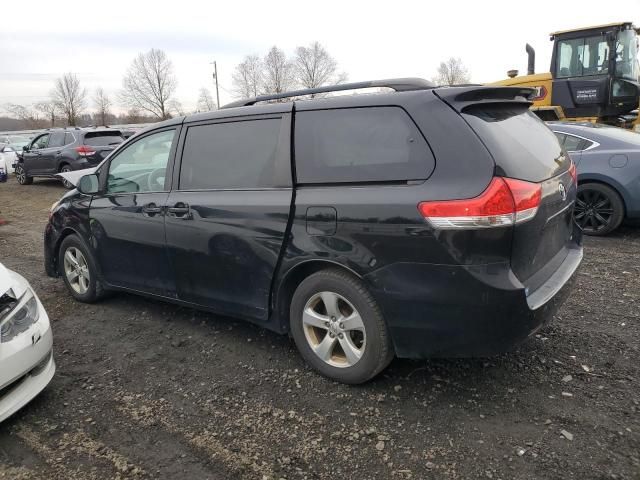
(89, 184)
(25, 148)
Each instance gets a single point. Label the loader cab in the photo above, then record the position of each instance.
(595, 71)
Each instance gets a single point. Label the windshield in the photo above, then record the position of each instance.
(19, 141)
(627, 56)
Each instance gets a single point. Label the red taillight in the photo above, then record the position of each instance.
(505, 201)
(574, 173)
(85, 151)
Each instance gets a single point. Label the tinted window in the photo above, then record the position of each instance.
(40, 142)
(56, 139)
(572, 144)
(102, 139)
(521, 144)
(583, 56)
(231, 155)
(360, 145)
(141, 166)
(68, 138)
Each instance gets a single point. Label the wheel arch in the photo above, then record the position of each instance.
(289, 282)
(608, 182)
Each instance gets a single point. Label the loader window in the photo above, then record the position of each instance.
(627, 55)
(582, 56)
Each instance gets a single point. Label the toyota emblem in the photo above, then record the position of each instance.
(563, 192)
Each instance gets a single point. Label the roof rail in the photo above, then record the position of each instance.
(397, 84)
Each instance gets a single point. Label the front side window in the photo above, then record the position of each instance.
(350, 145)
(141, 166)
(583, 56)
(40, 142)
(231, 155)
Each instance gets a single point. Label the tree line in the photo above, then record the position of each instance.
(149, 86)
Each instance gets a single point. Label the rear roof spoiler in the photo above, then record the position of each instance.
(459, 98)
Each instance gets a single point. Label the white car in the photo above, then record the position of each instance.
(26, 355)
(8, 157)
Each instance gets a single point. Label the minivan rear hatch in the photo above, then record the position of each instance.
(524, 148)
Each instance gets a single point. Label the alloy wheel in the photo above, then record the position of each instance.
(65, 182)
(334, 329)
(21, 175)
(76, 269)
(593, 210)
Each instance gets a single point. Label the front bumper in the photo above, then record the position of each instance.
(26, 365)
(466, 311)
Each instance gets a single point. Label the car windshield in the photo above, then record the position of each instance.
(627, 56)
(18, 141)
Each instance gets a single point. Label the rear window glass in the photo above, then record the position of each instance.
(102, 139)
(231, 155)
(522, 145)
(373, 144)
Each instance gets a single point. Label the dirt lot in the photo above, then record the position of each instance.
(151, 390)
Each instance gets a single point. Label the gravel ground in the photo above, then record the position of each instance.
(151, 390)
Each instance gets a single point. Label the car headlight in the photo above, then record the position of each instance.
(18, 319)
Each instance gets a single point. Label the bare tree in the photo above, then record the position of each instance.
(278, 72)
(150, 84)
(26, 114)
(205, 101)
(452, 72)
(133, 116)
(49, 108)
(314, 67)
(174, 106)
(70, 97)
(248, 77)
(102, 103)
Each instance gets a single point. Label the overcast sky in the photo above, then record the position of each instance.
(40, 40)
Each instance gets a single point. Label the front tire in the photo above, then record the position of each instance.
(599, 209)
(79, 270)
(338, 327)
(21, 175)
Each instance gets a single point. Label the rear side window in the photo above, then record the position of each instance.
(231, 155)
(521, 144)
(68, 138)
(56, 139)
(103, 139)
(573, 144)
(373, 144)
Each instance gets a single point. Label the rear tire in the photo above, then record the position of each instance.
(599, 209)
(78, 268)
(331, 309)
(21, 175)
(64, 169)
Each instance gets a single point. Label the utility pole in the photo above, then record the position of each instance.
(215, 79)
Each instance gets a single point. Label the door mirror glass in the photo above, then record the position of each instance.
(89, 184)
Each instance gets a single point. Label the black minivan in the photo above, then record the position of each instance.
(417, 223)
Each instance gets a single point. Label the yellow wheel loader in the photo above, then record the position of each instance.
(594, 76)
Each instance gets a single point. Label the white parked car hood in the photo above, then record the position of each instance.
(74, 176)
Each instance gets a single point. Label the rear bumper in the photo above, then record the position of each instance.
(466, 311)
